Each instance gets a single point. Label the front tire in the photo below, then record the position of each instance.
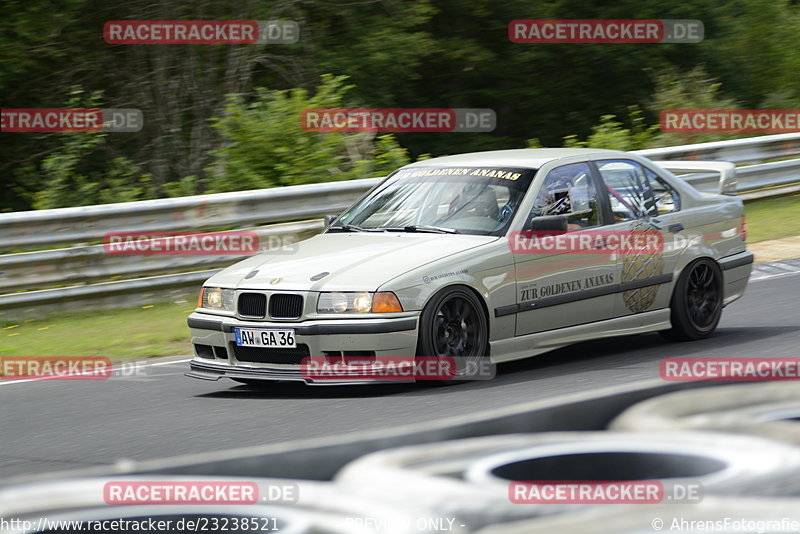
(454, 325)
(696, 305)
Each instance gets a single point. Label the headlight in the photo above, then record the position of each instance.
(358, 302)
(216, 298)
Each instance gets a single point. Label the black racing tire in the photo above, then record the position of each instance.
(469, 478)
(696, 305)
(769, 409)
(454, 324)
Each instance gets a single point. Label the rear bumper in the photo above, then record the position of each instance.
(383, 337)
(736, 271)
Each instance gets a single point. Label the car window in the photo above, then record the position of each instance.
(471, 200)
(666, 199)
(569, 190)
(628, 189)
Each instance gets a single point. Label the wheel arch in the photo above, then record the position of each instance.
(691, 261)
(685, 263)
(476, 293)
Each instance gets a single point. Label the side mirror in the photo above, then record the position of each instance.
(328, 219)
(556, 224)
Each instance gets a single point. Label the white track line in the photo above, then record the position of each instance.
(139, 364)
(171, 362)
(771, 276)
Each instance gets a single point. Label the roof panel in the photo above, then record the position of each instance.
(522, 157)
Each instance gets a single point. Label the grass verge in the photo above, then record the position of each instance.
(131, 333)
(772, 218)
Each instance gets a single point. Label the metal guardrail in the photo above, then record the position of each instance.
(83, 265)
(751, 178)
(738, 151)
(86, 224)
(80, 265)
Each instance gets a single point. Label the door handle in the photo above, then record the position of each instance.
(675, 228)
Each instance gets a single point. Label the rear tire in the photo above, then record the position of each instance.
(696, 305)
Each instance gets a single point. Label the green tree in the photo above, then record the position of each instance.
(615, 135)
(414, 53)
(71, 176)
(265, 145)
(692, 90)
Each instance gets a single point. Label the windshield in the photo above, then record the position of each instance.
(474, 200)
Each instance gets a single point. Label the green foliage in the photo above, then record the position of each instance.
(694, 89)
(533, 143)
(67, 186)
(673, 90)
(614, 135)
(69, 179)
(381, 45)
(755, 50)
(264, 144)
(414, 53)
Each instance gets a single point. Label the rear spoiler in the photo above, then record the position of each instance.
(726, 170)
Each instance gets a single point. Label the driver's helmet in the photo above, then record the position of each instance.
(475, 199)
(554, 198)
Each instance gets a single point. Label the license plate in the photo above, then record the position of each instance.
(259, 337)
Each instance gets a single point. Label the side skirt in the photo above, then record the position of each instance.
(517, 348)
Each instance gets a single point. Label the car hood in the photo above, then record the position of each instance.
(360, 261)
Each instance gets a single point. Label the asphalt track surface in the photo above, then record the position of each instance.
(52, 425)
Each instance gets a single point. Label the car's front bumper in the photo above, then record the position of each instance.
(217, 356)
(206, 370)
